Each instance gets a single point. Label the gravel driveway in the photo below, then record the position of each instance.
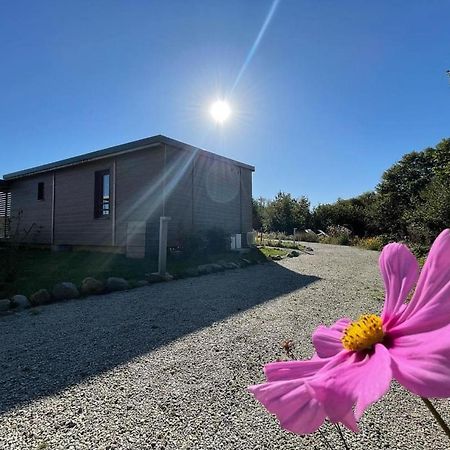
(166, 366)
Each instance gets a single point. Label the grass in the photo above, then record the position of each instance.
(268, 251)
(42, 269)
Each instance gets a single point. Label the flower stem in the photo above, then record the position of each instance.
(437, 416)
(342, 436)
(325, 439)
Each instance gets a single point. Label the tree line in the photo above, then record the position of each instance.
(411, 202)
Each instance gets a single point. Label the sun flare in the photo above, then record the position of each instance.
(220, 111)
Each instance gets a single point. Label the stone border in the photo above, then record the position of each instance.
(91, 286)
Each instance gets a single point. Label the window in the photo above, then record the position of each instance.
(101, 196)
(40, 192)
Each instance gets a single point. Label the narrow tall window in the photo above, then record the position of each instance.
(101, 195)
(40, 192)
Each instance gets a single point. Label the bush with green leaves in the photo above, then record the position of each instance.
(369, 243)
(307, 237)
(211, 241)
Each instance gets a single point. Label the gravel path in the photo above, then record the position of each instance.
(166, 366)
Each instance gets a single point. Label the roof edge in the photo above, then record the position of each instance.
(116, 150)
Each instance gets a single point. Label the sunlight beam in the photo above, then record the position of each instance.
(255, 45)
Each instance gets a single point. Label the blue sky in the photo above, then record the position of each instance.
(335, 93)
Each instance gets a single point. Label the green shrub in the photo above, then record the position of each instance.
(369, 243)
(211, 241)
(217, 241)
(307, 237)
(337, 235)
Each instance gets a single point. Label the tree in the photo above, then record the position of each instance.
(285, 213)
(400, 188)
(259, 213)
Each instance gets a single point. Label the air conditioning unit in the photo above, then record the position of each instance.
(236, 241)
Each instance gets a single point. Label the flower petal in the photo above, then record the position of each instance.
(293, 401)
(400, 271)
(327, 340)
(362, 379)
(429, 308)
(421, 363)
(293, 404)
(291, 370)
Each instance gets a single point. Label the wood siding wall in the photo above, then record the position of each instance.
(75, 223)
(35, 215)
(196, 190)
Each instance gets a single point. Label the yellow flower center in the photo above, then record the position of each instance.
(364, 333)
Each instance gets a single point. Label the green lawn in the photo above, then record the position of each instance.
(42, 269)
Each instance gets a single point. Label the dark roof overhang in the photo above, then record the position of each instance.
(140, 144)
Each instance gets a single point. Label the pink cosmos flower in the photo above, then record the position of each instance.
(355, 362)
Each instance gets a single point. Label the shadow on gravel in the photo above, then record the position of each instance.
(68, 342)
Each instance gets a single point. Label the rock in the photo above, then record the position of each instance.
(91, 285)
(65, 291)
(154, 278)
(5, 304)
(209, 268)
(222, 262)
(276, 258)
(116, 284)
(141, 283)
(217, 267)
(41, 297)
(20, 302)
(191, 272)
(245, 262)
(293, 254)
(231, 265)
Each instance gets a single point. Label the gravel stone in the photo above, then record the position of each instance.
(167, 365)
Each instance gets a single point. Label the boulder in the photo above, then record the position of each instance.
(5, 304)
(293, 254)
(116, 284)
(154, 277)
(245, 262)
(40, 297)
(217, 267)
(20, 302)
(65, 291)
(91, 286)
(204, 269)
(231, 265)
(276, 258)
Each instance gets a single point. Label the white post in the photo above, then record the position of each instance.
(295, 232)
(162, 257)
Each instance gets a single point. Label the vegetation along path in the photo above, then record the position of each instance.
(166, 366)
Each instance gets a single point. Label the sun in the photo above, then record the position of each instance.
(220, 111)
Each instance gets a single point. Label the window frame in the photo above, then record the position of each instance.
(99, 194)
(41, 191)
